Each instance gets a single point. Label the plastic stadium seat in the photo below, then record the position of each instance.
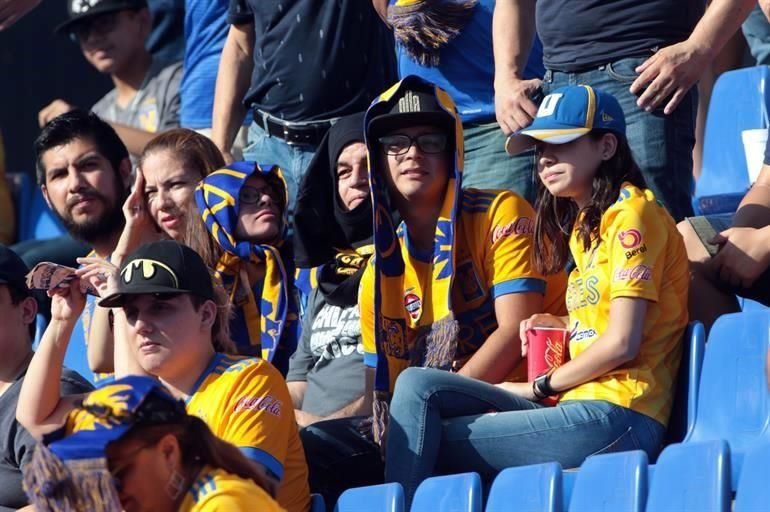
(451, 493)
(691, 477)
(733, 402)
(535, 488)
(682, 418)
(37, 221)
(568, 477)
(723, 170)
(374, 498)
(317, 503)
(753, 492)
(612, 482)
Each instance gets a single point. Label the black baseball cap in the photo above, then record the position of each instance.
(414, 104)
(81, 10)
(165, 267)
(13, 270)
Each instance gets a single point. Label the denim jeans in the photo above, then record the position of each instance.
(441, 422)
(756, 30)
(488, 166)
(293, 160)
(661, 144)
(341, 454)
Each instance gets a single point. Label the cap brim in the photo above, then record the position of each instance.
(525, 139)
(382, 125)
(117, 300)
(87, 444)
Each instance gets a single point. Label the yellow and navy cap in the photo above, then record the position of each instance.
(165, 267)
(567, 114)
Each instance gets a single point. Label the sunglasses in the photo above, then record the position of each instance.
(399, 144)
(254, 195)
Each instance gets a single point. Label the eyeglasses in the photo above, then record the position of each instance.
(253, 195)
(399, 144)
(119, 472)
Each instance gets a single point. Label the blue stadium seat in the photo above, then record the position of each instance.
(733, 402)
(534, 488)
(568, 477)
(612, 482)
(723, 171)
(691, 477)
(76, 357)
(451, 493)
(374, 498)
(36, 220)
(317, 503)
(682, 418)
(753, 492)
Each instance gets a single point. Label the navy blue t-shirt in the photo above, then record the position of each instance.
(581, 34)
(315, 59)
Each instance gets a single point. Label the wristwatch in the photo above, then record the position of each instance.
(542, 385)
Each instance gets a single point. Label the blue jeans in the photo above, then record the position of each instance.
(661, 144)
(441, 422)
(488, 166)
(341, 454)
(293, 160)
(756, 30)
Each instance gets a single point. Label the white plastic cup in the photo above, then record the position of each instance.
(754, 141)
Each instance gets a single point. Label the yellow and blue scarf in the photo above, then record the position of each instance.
(272, 321)
(430, 344)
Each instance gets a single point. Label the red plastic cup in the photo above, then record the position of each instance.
(547, 349)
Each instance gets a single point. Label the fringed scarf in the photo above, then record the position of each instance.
(424, 27)
(431, 344)
(266, 321)
(338, 247)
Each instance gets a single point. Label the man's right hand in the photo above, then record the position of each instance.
(53, 110)
(513, 107)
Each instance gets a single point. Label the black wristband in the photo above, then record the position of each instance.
(538, 395)
(543, 385)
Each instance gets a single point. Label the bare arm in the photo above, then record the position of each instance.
(513, 31)
(671, 71)
(501, 351)
(754, 210)
(381, 6)
(297, 392)
(235, 67)
(134, 138)
(41, 408)
(12, 11)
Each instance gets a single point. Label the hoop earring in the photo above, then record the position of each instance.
(175, 485)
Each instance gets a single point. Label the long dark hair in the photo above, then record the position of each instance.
(200, 447)
(556, 215)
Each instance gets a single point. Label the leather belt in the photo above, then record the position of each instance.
(293, 133)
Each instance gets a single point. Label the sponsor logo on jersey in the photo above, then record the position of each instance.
(519, 226)
(267, 403)
(639, 272)
(413, 304)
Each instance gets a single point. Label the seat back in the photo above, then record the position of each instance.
(733, 402)
(373, 498)
(451, 493)
(534, 488)
(612, 482)
(317, 503)
(36, 220)
(691, 477)
(682, 418)
(753, 492)
(724, 165)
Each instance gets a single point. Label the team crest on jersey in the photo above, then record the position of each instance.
(413, 304)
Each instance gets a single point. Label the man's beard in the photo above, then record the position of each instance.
(93, 230)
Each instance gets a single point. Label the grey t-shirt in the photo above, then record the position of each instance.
(16, 443)
(329, 357)
(155, 108)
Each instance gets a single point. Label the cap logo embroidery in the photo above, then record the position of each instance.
(606, 117)
(148, 269)
(82, 6)
(409, 103)
(548, 107)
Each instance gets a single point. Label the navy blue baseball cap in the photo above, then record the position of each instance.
(79, 11)
(567, 114)
(13, 270)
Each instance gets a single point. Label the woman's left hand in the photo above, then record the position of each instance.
(520, 389)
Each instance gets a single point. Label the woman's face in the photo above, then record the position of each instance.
(141, 473)
(259, 212)
(169, 189)
(568, 170)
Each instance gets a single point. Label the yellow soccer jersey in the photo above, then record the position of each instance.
(245, 401)
(215, 490)
(493, 258)
(640, 254)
